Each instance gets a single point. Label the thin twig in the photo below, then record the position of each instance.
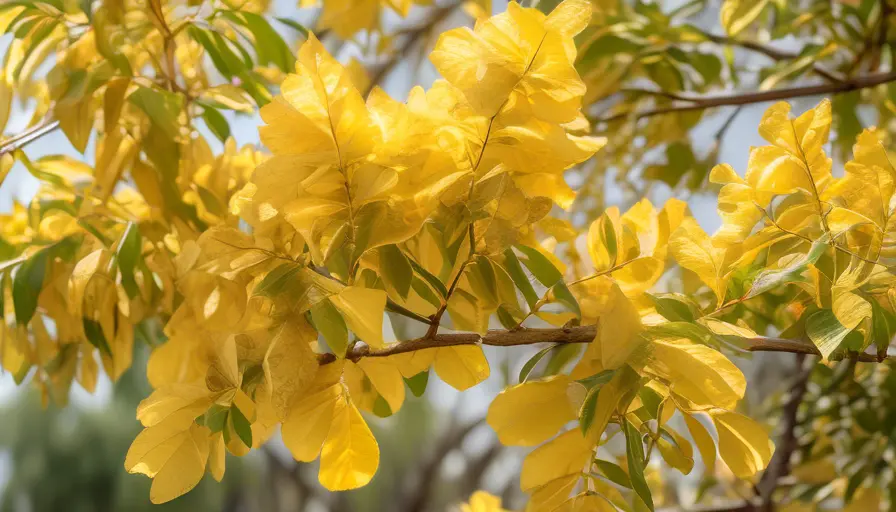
(770, 52)
(28, 136)
(705, 102)
(412, 36)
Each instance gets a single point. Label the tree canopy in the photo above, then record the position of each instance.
(370, 243)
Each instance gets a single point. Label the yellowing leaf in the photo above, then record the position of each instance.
(362, 309)
(462, 366)
(743, 444)
(699, 373)
(290, 364)
(609, 400)
(704, 442)
(308, 422)
(350, 453)
(693, 249)
(736, 15)
(618, 333)
(482, 501)
(564, 455)
(386, 379)
(177, 404)
(509, 53)
(173, 455)
(678, 454)
(585, 502)
(529, 413)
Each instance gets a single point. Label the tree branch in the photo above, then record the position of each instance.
(562, 335)
(28, 136)
(412, 36)
(779, 466)
(770, 52)
(705, 102)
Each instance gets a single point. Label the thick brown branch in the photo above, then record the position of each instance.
(582, 334)
(705, 102)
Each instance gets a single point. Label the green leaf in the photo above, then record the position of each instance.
(417, 383)
(614, 473)
(825, 331)
(883, 323)
(27, 284)
(129, 253)
(162, 107)
(589, 407)
(516, 273)
(216, 417)
(381, 407)
(95, 336)
(548, 275)
(508, 321)
(222, 55)
(541, 267)
(269, 46)
(635, 457)
(397, 271)
(533, 361)
(564, 296)
(298, 27)
(217, 123)
(331, 325)
(276, 281)
(608, 233)
(241, 425)
(736, 15)
(792, 273)
(598, 379)
(675, 307)
(429, 278)
(560, 358)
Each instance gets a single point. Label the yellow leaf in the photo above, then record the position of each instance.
(567, 454)
(679, 455)
(350, 453)
(609, 400)
(743, 444)
(362, 309)
(693, 249)
(461, 367)
(704, 442)
(386, 380)
(308, 422)
(697, 372)
(290, 364)
(529, 413)
(552, 494)
(223, 372)
(498, 61)
(586, 502)
(482, 501)
(619, 330)
(177, 404)
(216, 456)
(736, 15)
(173, 455)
